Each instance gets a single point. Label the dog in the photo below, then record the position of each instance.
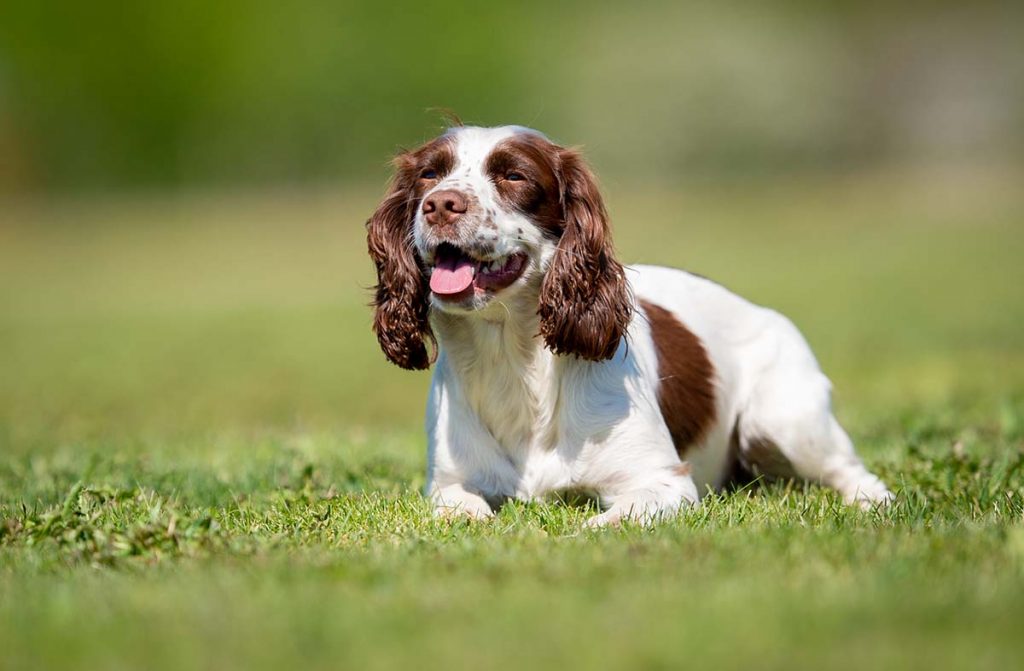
(558, 369)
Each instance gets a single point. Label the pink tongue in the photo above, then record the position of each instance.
(451, 276)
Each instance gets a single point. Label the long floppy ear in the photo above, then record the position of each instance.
(400, 319)
(585, 303)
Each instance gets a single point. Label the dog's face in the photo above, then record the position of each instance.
(488, 220)
(483, 215)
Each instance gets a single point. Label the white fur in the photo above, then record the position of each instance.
(508, 419)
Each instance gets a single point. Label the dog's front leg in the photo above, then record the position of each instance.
(463, 464)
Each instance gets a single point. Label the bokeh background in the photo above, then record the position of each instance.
(184, 187)
(185, 94)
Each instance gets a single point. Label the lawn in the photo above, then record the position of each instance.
(205, 461)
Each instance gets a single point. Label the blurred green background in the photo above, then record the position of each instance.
(106, 95)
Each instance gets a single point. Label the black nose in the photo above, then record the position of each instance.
(444, 207)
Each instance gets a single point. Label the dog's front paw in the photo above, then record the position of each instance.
(645, 516)
(651, 502)
(454, 502)
(609, 518)
(457, 512)
(871, 497)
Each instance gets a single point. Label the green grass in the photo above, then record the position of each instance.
(204, 461)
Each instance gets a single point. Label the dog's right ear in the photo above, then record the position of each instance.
(401, 299)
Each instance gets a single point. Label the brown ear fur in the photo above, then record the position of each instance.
(400, 319)
(585, 305)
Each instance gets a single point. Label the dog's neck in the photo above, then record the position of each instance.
(500, 334)
(508, 376)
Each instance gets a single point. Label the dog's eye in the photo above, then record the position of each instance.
(428, 174)
(514, 176)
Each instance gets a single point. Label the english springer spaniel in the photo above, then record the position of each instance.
(558, 369)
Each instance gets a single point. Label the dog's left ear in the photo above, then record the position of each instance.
(585, 303)
(400, 319)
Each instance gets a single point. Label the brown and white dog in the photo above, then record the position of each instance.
(559, 369)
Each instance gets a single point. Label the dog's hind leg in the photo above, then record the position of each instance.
(787, 429)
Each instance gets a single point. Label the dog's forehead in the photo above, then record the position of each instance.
(473, 144)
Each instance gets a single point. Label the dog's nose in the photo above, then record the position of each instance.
(444, 207)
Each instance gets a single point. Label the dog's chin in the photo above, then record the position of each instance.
(461, 282)
(478, 302)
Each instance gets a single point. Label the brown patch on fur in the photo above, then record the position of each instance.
(539, 194)
(400, 297)
(686, 392)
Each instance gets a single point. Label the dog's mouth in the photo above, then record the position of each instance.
(457, 275)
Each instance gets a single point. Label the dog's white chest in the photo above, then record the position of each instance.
(521, 415)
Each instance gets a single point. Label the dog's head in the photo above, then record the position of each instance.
(485, 215)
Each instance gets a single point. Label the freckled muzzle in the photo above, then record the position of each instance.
(456, 274)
